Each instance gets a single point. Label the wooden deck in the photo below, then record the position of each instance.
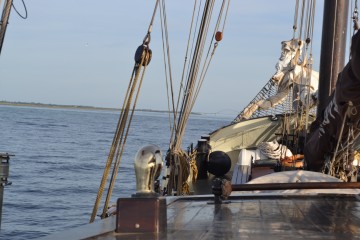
(248, 217)
(266, 217)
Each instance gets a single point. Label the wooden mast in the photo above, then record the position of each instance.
(333, 43)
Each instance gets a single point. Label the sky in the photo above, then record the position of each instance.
(81, 52)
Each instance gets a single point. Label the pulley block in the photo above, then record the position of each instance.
(143, 52)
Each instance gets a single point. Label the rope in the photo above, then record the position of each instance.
(26, 13)
(147, 38)
(170, 162)
(191, 53)
(120, 153)
(302, 18)
(111, 153)
(193, 166)
(184, 110)
(194, 82)
(196, 56)
(207, 62)
(269, 89)
(341, 163)
(301, 111)
(166, 57)
(124, 122)
(296, 17)
(274, 150)
(194, 71)
(183, 173)
(309, 36)
(4, 21)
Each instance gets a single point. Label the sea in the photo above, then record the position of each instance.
(59, 159)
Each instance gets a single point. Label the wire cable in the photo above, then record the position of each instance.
(26, 13)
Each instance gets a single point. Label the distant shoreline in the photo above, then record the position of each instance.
(43, 105)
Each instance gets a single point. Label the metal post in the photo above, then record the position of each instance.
(333, 45)
(1, 201)
(297, 185)
(4, 173)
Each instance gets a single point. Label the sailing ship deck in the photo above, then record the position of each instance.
(319, 216)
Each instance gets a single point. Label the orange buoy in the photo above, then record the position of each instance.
(218, 36)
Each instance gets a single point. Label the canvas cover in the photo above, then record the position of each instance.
(325, 131)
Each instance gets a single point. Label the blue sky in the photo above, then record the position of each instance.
(81, 52)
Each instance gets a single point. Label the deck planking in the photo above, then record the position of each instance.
(254, 217)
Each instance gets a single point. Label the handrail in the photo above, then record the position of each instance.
(300, 185)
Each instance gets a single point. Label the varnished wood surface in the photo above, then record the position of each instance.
(266, 218)
(257, 217)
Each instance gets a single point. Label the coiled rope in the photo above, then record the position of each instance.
(274, 150)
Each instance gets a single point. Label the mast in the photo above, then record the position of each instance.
(334, 124)
(333, 43)
(4, 21)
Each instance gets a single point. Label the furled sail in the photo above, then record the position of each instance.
(292, 87)
(341, 118)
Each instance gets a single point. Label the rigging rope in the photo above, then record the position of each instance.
(4, 21)
(294, 126)
(166, 57)
(121, 151)
(217, 35)
(26, 13)
(309, 36)
(142, 59)
(296, 17)
(195, 71)
(194, 82)
(191, 79)
(270, 87)
(341, 163)
(169, 178)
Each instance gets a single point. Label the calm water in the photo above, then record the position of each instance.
(60, 157)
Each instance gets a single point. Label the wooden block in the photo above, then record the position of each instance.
(136, 215)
